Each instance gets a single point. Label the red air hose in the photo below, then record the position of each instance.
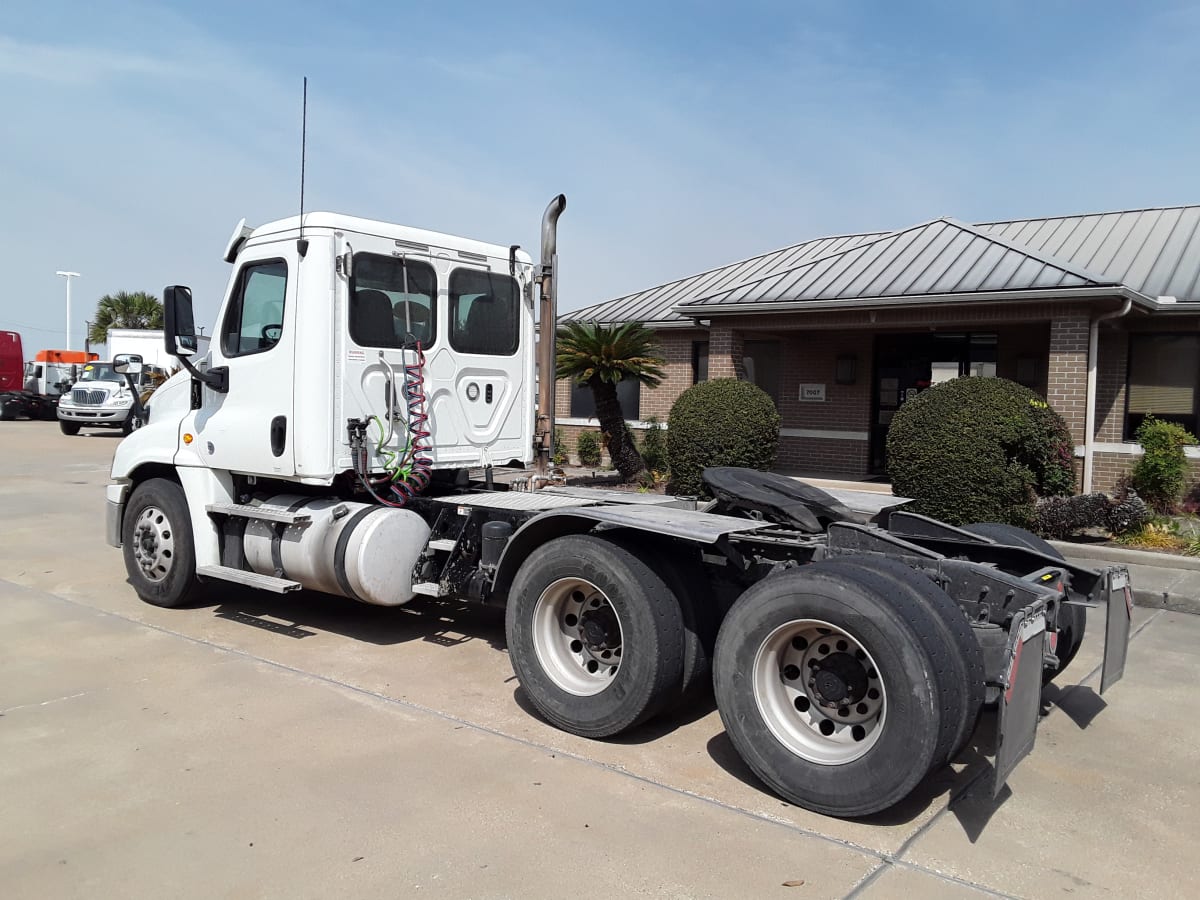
(417, 463)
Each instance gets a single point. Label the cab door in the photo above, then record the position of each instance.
(249, 428)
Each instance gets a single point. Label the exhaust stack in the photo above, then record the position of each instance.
(543, 437)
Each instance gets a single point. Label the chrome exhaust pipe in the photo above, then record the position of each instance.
(548, 319)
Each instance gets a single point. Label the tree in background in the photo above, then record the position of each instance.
(125, 310)
(601, 356)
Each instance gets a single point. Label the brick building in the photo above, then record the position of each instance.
(1099, 313)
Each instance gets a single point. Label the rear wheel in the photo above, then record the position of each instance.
(1072, 620)
(594, 635)
(156, 537)
(832, 692)
(68, 427)
(966, 685)
(687, 581)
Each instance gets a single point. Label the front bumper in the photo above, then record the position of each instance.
(94, 415)
(114, 513)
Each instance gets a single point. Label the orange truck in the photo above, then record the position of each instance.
(31, 389)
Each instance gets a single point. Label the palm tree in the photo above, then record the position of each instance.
(600, 356)
(125, 310)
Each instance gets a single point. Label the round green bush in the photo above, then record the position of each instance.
(979, 450)
(588, 448)
(725, 422)
(1160, 475)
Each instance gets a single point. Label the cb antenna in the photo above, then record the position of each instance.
(301, 243)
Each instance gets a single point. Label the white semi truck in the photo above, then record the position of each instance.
(340, 435)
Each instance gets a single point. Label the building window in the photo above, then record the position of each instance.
(699, 361)
(1163, 372)
(760, 360)
(629, 392)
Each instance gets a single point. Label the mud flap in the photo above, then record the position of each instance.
(1021, 701)
(1116, 628)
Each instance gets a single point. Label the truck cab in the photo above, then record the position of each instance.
(103, 398)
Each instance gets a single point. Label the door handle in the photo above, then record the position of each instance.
(278, 435)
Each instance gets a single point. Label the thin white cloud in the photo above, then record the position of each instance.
(74, 64)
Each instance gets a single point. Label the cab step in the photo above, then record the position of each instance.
(442, 544)
(428, 589)
(262, 513)
(251, 579)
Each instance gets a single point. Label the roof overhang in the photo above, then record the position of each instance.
(1121, 292)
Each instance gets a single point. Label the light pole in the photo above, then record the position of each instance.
(68, 276)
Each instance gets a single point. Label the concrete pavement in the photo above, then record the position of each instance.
(386, 752)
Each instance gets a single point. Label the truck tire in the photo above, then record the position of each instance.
(68, 427)
(131, 424)
(595, 636)
(156, 538)
(865, 728)
(965, 656)
(687, 582)
(1072, 620)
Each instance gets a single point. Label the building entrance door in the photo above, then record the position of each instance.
(906, 364)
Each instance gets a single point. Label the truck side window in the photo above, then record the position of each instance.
(382, 313)
(254, 321)
(484, 313)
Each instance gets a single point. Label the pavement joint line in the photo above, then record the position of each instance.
(897, 858)
(886, 859)
(449, 717)
(12, 709)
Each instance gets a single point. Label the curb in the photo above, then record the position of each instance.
(1129, 557)
(1168, 601)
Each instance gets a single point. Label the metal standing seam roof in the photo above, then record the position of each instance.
(939, 257)
(1155, 252)
(656, 305)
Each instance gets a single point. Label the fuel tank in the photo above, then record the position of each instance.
(354, 550)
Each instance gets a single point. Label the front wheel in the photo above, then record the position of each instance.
(68, 427)
(131, 424)
(594, 636)
(830, 692)
(156, 537)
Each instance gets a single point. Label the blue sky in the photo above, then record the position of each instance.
(134, 135)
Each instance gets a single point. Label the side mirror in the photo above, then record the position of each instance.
(180, 337)
(127, 364)
(180, 331)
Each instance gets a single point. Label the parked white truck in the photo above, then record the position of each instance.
(340, 435)
(102, 398)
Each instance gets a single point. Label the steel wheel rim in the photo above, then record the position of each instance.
(153, 544)
(799, 701)
(577, 636)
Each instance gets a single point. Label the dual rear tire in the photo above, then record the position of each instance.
(843, 683)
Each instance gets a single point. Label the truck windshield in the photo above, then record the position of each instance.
(99, 372)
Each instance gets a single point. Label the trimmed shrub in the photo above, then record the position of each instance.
(1128, 513)
(979, 450)
(1059, 517)
(588, 448)
(724, 422)
(654, 446)
(1160, 474)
